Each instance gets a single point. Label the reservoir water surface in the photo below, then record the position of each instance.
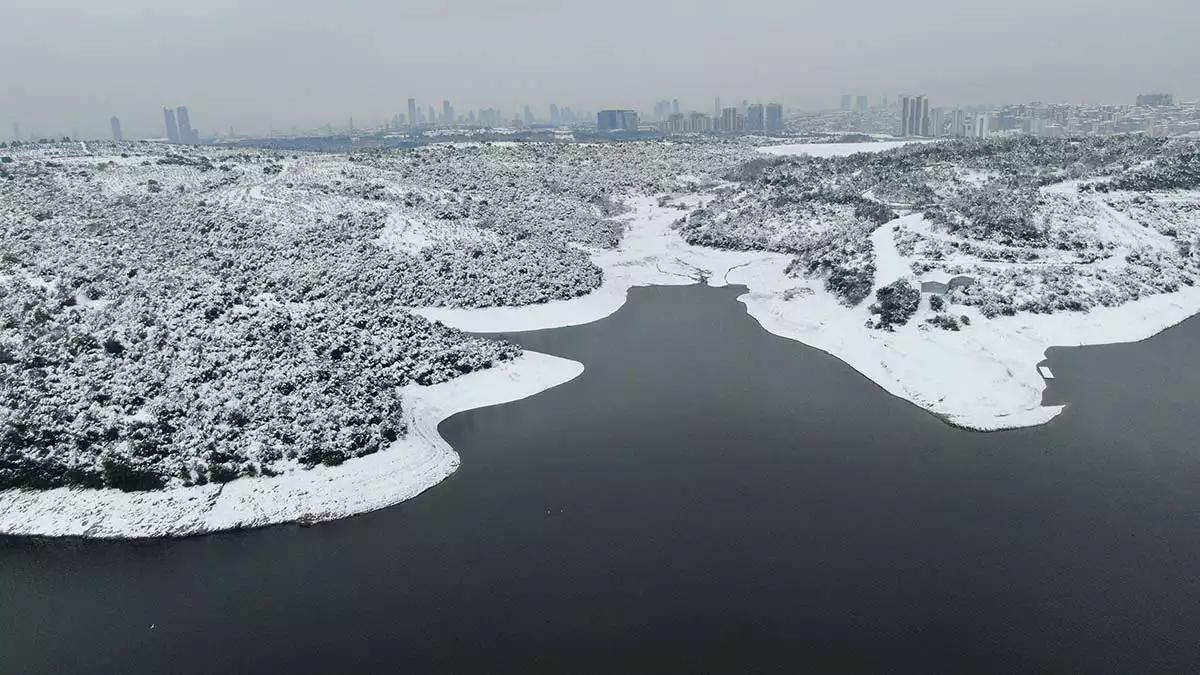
(706, 497)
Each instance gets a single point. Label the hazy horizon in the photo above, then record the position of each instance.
(305, 63)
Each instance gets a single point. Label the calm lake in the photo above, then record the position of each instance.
(706, 497)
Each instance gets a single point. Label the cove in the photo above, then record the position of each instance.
(706, 497)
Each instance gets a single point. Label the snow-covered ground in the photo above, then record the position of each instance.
(136, 255)
(983, 377)
(830, 149)
(412, 465)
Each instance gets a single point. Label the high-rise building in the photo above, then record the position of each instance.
(555, 116)
(617, 120)
(914, 116)
(528, 117)
(937, 122)
(699, 123)
(846, 101)
(412, 112)
(172, 126)
(115, 125)
(433, 118)
(755, 118)
(730, 120)
(983, 126)
(184, 121)
(675, 107)
(447, 113)
(774, 114)
(958, 123)
(717, 107)
(863, 104)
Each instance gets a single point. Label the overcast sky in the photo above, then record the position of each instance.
(68, 65)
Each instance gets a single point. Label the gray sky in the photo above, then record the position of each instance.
(68, 65)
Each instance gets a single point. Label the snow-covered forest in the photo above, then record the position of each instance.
(1040, 225)
(177, 316)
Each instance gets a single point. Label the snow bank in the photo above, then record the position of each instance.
(410, 466)
(983, 377)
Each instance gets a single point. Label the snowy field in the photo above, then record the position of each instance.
(830, 149)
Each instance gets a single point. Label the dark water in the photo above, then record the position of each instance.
(705, 498)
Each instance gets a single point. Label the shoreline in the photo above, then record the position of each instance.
(983, 378)
(413, 464)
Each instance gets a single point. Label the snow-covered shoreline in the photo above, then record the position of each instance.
(984, 377)
(410, 466)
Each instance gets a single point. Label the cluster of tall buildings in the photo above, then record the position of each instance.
(485, 117)
(617, 120)
(664, 109)
(1155, 101)
(857, 103)
(179, 126)
(914, 116)
(747, 118)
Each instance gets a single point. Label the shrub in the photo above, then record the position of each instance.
(896, 303)
(944, 321)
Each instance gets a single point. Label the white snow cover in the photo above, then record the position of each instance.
(984, 377)
(831, 149)
(410, 466)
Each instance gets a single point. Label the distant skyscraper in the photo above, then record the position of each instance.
(756, 118)
(846, 101)
(528, 115)
(115, 125)
(412, 112)
(675, 107)
(958, 123)
(863, 104)
(172, 127)
(729, 120)
(983, 126)
(617, 120)
(555, 117)
(937, 122)
(185, 131)
(447, 113)
(774, 117)
(717, 107)
(914, 116)
(432, 115)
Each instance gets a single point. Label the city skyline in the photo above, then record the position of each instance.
(304, 64)
(914, 116)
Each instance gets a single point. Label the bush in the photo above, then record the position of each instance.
(944, 321)
(937, 303)
(895, 304)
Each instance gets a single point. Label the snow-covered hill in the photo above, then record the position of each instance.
(175, 318)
